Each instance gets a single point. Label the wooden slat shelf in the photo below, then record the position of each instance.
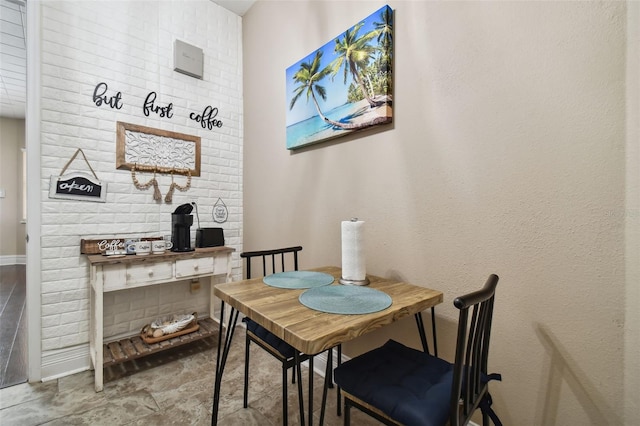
(134, 347)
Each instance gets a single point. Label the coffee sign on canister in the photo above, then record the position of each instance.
(78, 186)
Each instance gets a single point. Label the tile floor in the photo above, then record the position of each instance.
(13, 325)
(174, 387)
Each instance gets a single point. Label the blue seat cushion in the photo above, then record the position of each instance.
(408, 385)
(271, 339)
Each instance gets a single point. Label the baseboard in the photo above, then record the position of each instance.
(64, 362)
(17, 259)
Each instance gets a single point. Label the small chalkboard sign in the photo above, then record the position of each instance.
(78, 185)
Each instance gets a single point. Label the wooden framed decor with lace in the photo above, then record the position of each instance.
(160, 151)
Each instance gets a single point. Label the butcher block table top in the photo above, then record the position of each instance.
(310, 331)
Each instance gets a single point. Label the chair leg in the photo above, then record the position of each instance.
(246, 372)
(485, 419)
(293, 375)
(347, 413)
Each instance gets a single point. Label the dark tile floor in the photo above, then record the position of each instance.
(13, 332)
(174, 387)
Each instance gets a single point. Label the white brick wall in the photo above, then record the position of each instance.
(129, 46)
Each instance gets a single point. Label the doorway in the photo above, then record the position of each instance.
(13, 201)
(13, 328)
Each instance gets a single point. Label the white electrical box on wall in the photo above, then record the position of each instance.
(188, 59)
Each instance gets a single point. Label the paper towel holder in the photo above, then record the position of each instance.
(355, 282)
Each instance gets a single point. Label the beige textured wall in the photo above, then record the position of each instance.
(508, 154)
(12, 232)
(632, 216)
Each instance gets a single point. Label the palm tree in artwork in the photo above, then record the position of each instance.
(307, 78)
(384, 30)
(354, 54)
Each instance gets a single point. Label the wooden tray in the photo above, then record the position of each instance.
(190, 328)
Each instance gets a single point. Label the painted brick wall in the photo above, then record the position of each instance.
(129, 46)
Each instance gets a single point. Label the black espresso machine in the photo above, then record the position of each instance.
(181, 221)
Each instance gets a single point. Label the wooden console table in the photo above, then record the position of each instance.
(121, 273)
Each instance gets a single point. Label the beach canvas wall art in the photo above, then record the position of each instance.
(344, 86)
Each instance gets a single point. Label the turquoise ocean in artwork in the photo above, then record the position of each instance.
(308, 130)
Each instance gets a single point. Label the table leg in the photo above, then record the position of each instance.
(221, 359)
(300, 400)
(310, 391)
(433, 330)
(423, 335)
(338, 392)
(327, 383)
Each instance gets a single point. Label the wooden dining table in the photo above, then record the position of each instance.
(308, 330)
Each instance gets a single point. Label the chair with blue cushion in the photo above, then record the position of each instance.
(400, 385)
(273, 261)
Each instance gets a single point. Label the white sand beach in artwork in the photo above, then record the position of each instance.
(363, 115)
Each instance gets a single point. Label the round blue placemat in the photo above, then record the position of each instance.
(343, 299)
(298, 279)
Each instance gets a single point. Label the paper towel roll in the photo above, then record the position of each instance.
(353, 259)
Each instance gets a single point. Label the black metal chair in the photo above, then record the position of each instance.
(399, 385)
(273, 261)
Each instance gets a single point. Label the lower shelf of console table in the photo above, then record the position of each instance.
(131, 348)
